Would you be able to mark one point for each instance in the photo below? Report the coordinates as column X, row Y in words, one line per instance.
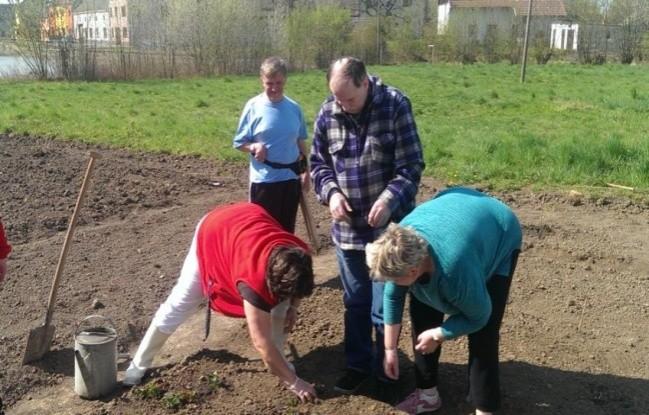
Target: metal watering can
column 95, row 358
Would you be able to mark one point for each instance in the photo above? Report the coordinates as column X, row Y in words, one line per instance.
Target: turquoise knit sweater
column 471, row 237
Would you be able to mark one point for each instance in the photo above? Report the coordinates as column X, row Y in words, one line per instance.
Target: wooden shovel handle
column 68, row 236
column 308, row 221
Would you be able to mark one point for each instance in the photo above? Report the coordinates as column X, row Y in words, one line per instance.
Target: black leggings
column 280, row 199
column 484, row 383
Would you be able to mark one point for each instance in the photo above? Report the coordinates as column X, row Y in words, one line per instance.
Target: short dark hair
column 351, row 68
column 289, row 273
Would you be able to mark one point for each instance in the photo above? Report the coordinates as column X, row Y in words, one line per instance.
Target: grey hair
column 273, row 66
column 395, row 252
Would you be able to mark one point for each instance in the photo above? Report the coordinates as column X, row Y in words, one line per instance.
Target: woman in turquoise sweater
column 455, row 254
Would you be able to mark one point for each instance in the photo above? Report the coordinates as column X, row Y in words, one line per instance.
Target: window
column 110, row 12
column 90, row 33
column 124, row 33
column 105, row 33
column 97, row 32
column 123, row 11
column 116, row 15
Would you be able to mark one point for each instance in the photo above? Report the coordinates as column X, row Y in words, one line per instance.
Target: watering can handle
column 99, row 316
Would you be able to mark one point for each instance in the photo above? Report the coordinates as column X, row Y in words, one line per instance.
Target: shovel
column 40, row 338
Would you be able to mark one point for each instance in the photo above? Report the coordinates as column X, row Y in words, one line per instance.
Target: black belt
column 298, row 166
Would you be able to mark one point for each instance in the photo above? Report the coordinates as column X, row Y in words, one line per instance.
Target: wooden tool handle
column 308, row 221
column 68, row 236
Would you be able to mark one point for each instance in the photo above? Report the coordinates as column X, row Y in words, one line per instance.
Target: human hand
column 291, row 318
column 258, row 151
column 305, row 179
column 379, row 214
column 303, row 390
column 391, row 364
column 428, row 341
column 339, row 207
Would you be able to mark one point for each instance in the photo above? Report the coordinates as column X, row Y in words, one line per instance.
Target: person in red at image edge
column 248, row 266
column 5, row 249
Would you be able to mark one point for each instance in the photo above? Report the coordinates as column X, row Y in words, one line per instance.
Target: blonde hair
column 273, row 66
column 395, row 252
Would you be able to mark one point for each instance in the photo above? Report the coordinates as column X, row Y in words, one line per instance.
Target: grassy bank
column 567, row 125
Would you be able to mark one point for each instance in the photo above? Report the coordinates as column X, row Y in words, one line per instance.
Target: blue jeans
column 363, row 299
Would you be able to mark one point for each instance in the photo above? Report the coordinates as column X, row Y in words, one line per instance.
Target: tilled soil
column 574, row 339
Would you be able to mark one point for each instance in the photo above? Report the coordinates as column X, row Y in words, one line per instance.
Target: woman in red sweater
column 249, row 267
column 5, row 248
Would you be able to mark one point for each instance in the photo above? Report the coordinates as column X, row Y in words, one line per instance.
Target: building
column 7, row 18
column 479, row 19
column 58, row 24
column 92, row 21
column 118, row 14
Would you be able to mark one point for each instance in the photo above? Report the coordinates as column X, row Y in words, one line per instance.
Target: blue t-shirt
column 276, row 124
column 471, row 237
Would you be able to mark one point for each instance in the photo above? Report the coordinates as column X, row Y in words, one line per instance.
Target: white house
column 91, row 21
column 119, row 18
column 477, row 19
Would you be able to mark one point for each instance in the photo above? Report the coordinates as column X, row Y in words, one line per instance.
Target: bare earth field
column 574, row 339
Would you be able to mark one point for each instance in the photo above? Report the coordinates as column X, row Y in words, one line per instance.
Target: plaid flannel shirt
column 375, row 155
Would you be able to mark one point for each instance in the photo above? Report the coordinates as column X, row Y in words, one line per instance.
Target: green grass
column 568, row 125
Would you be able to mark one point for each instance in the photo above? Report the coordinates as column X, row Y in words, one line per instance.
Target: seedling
column 149, row 391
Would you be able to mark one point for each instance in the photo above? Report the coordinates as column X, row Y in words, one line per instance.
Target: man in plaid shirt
column 366, row 163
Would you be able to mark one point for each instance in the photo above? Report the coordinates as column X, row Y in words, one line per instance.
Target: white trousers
column 187, row 295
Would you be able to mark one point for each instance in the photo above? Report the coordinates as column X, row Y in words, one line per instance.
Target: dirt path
column 574, row 337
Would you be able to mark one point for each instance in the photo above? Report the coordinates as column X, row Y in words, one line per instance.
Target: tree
column 633, row 18
column 28, row 27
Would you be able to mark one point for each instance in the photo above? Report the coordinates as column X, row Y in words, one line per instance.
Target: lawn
column 567, row 125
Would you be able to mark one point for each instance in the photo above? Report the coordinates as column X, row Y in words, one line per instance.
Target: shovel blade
column 38, row 343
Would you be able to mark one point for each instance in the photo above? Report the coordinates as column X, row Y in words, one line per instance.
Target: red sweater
column 233, row 245
column 5, row 248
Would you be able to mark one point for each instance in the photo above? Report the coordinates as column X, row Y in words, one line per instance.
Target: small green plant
column 214, row 381
column 202, row 104
column 177, row 400
column 494, row 95
column 149, row 391
column 634, row 93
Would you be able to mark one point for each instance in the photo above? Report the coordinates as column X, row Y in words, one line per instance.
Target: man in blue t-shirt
column 273, row 131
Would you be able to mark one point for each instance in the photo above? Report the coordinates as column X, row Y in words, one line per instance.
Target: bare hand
column 258, row 151
column 291, row 318
column 304, row 391
column 426, row 342
column 339, row 207
column 391, row 364
column 379, row 214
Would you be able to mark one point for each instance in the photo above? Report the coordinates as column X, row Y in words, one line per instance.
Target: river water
column 11, row 66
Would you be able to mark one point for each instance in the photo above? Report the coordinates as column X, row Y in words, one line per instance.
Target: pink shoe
column 419, row 402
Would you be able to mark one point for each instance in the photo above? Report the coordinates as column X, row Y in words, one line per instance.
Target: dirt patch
column 574, row 337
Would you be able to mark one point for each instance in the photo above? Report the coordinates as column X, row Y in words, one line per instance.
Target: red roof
column 539, row 7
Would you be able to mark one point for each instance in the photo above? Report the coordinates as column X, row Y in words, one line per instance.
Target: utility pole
column 525, row 41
